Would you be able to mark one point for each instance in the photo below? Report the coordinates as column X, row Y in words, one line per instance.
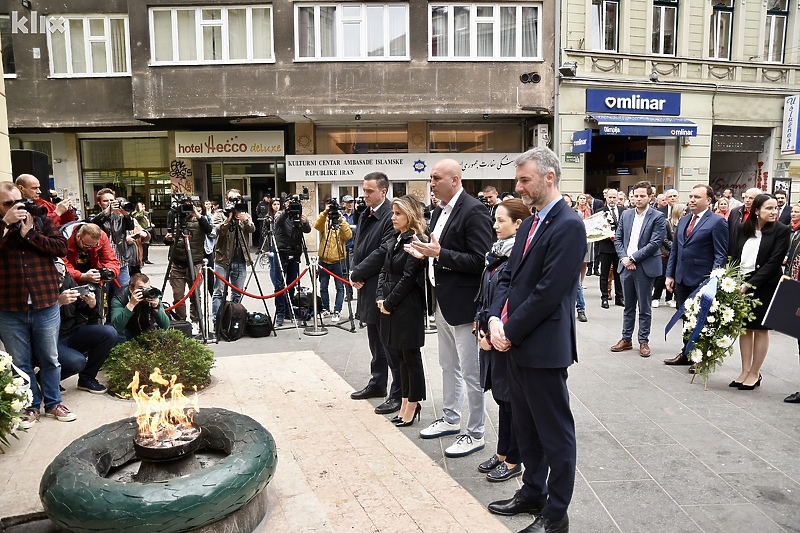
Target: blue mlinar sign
column 633, row 102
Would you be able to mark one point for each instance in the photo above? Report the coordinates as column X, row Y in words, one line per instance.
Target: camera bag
column 231, row 321
column 258, row 325
column 184, row 326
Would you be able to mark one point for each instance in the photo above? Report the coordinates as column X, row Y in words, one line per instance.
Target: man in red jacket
column 89, row 250
column 30, row 188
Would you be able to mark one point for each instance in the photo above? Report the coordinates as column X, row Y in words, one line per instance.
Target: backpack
column 258, row 325
column 231, row 321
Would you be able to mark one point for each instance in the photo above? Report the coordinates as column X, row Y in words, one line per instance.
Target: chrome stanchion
column 318, row 328
column 211, row 333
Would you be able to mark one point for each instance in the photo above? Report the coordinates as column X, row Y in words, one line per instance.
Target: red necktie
column 691, row 225
column 504, row 313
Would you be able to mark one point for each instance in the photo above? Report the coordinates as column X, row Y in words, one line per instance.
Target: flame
column 159, row 415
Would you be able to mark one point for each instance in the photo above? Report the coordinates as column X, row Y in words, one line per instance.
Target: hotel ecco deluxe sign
column 229, row 143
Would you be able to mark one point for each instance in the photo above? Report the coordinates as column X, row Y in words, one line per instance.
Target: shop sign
column 649, row 131
column 572, row 157
column 223, row 144
column 791, row 114
column 633, row 102
column 353, row 167
column 581, row 141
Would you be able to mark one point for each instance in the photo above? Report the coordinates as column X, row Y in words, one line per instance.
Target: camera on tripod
column 361, row 205
column 237, row 204
column 183, row 203
column 334, row 212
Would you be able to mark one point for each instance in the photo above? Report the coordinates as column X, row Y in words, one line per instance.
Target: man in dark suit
column 699, row 246
column 461, row 234
column 608, row 254
column 369, row 252
column 671, row 198
column 532, row 320
column 738, row 215
column 638, row 244
column 784, row 210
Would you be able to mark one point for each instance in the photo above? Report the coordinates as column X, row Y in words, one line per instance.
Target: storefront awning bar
column 645, row 126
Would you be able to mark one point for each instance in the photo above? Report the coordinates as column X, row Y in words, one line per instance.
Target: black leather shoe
column 582, row 317
column 387, row 407
column 368, row 392
column 619, row 302
column 604, row 303
column 515, row 505
column 489, row 464
column 793, row 398
column 543, row 525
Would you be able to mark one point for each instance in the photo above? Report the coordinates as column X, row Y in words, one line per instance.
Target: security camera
column 654, row 76
column 530, row 77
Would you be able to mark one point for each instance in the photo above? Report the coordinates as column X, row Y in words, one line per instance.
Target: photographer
column 83, row 345
column 334, row 232
column 290, row 224
column 60, row 213
column 115, row 220
column 140, row 310
column 228, row 253
column 29, row 284
column 187, row 218
column 90, row 258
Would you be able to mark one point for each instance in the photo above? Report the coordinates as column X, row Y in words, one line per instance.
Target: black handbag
column 258, row 325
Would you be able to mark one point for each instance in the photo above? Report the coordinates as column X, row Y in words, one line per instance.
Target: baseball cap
column 347, row 198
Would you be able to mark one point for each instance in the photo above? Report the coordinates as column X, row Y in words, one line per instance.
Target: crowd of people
column 505, row 308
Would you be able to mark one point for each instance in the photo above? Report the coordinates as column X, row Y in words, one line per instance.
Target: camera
column 31, row 207
column 334, row 213
column 237, row 205
column 149, row 293
column 484, row 201
column 361, row 205
column 106, row 274
column 84, row 290
column 125, row 205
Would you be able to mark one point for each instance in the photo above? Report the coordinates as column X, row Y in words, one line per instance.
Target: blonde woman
column 401, row 301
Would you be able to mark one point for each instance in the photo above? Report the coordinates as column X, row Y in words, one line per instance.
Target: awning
column 645, row 126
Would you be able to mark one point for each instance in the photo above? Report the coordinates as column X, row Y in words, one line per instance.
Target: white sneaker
column 195, row 328
column 335, row 317
column 324, row 314
column 439, row 428
column 463, row 446
column 671, row 303
column 655, row 304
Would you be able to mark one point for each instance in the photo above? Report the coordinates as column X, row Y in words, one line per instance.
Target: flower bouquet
column 15, row 394
column 715, row 316
column 597, row 227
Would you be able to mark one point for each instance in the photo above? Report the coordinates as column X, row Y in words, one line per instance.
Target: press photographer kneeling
column 139, row 311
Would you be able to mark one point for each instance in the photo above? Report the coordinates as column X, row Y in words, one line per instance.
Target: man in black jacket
column 375, row 231
column 290, row 224
column 608, row 254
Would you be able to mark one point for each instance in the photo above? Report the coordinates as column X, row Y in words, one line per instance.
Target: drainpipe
column 556, row 78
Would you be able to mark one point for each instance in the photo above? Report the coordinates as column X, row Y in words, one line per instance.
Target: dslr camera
column 125, row 205
column 31, row 207
column 149, row 293
column 106, row 274
column 84, row 290
column 237, row 205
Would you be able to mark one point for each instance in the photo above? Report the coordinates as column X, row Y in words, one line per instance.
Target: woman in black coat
column 504, row 464
column 759, row 245
column 401, row 301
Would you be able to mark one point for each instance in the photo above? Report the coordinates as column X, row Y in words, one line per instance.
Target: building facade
column 161, row 96
column 678, row 92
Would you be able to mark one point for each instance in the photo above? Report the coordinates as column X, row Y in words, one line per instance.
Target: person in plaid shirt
column 29, row 311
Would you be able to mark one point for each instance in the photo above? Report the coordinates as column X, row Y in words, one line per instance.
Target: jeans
column 34, row 334
column 580, row 304
column 324, row 277
column 237, row 279
column 85, row 350
column 123, row 279
column 291, row 269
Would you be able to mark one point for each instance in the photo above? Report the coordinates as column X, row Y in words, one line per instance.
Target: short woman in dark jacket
column 504, row 464
column 402, row 303
column 759, row 245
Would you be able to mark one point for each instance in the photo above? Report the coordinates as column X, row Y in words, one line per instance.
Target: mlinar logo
column 635, row 102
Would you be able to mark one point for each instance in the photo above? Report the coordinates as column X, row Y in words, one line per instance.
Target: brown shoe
column 622, row 345
column 691, row 369
column 679, row 359
column 644, row 349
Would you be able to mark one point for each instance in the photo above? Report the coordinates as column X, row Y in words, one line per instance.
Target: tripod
column 262, row 255
column 240, row 244
column 185, row 235
column 333, row 232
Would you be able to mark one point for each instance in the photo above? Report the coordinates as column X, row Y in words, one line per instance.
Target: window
column 361, row 140
column 8, row 46
column 719, row 42
column 212, row 35
column 469, row 138
column 90, row 45
column 484, row 32
column 351, row 32
column 665, row 26
column 775, row 32
column 605, row 25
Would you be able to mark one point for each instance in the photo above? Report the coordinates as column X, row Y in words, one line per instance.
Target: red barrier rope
column 182, row 300
column 257, row 297
column 335, row 276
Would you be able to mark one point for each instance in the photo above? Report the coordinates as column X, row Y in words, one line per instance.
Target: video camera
column 183, row 203
column 484, row 201
column 237, row 205
column 361, row 205
column 334, row 212
column 294, row 210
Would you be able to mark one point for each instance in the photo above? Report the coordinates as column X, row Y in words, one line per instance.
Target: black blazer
column 769, row 261
column 465, row 239
column 735, row 220
column 786, row 215
column 400, row 286
column 606, row 246
column 369, row 253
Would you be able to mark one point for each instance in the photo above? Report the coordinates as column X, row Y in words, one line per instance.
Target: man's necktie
column 690, row 227
column 504, row 313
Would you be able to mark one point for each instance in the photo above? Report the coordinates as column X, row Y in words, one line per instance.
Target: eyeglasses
column 84, row 245
column 11, row 203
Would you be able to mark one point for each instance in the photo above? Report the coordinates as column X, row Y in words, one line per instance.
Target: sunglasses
column 11, row 203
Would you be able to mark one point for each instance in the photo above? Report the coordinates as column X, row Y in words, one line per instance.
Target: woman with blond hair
column 401, row 301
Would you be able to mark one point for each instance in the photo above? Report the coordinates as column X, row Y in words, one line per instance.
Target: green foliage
column 15, row 395
column 170, row 350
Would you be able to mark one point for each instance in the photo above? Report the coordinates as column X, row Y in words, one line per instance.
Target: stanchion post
column 429, row 328
column 318, row 329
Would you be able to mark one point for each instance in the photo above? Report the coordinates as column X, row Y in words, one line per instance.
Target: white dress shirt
column 444, row 216
column 636, row 231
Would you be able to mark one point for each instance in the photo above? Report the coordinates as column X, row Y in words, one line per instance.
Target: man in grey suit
column 638, row 243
